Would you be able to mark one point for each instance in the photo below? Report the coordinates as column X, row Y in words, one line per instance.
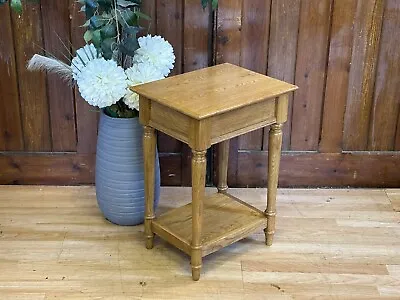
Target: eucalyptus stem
column 116, row 21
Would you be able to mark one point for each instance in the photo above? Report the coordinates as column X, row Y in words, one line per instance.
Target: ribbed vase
column 120, row 172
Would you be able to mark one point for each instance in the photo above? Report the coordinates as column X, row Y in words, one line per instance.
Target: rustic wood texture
column 11, row 136
column 56, row 32
column 337, row 81
column 385, row 108
column 57, row 168
column 171, row 170
column 170, row 26
column 346, row 49
column 149, row 7
column 329, row 244
column 367, row 31
column 28, row 40
column 397, row 140
column 326, row 169
column 227, row 49
column 285, row 15
column 254, row 53
column 197, row 41
column 310, row 73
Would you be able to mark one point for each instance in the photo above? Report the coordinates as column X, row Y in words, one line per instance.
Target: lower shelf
column 226, row 220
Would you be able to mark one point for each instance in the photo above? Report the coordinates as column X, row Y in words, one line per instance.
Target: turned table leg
column 274, row 155
column 199, row 162
column 149, row 152
column 223, row 158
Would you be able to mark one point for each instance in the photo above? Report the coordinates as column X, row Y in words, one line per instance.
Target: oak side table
column 203, row 108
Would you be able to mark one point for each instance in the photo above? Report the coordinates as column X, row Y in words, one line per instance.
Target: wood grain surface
column 312, row 51
column 343, row 55
column 385, row 108
column 225, row 221
column 11, row 135
column 28, row 40
column 337, row 81
column 326, row 169
column 254, row 53
column 227, row 49
column 285, row 15
column 56, row 32
column 209, row 224
column 61, row 168
column 367, row 32
column 197, row 41
column 212, row 91
column 170, row 26
column 339, row 244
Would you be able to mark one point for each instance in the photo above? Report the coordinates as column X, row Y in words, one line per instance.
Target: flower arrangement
column 114, row 58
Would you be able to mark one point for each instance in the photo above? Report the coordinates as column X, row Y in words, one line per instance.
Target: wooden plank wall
column 343, row 127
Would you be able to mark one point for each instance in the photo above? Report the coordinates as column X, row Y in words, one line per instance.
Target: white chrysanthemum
column 157, row 51
column 83, row 56
column 139, row 73
column 102, row 82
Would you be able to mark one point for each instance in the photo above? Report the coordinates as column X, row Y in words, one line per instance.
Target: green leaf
column 126, row 3
column 129, row 47
column 88, row 36
column 214, row 4
column 90, row 8
column 131, row 31
column 97, row 21
column 141, row 15
column 127, row 18
column 16, row 5
column 108, row 31
column 106, row 4
column 129, row 43
column 107, row 47
column 96, row 38
column 204, row 3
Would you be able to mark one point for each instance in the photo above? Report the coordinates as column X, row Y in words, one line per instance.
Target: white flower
column 157, row 51
column 102, row 83
column 83, row 56
column 139, row 73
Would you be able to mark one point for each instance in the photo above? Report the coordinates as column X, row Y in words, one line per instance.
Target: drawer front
column 242, row 120
column 169, row 121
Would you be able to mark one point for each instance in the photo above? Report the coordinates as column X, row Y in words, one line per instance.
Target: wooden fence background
column 343, row 128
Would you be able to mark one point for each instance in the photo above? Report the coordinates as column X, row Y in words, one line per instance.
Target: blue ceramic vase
column 120, row 172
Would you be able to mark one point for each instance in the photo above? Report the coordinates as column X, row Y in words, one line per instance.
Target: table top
column 211, row 91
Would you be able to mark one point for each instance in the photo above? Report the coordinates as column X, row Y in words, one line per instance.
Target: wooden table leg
column 223, row 158
column 149, row 153
column 199, row 162
column 274, row 155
